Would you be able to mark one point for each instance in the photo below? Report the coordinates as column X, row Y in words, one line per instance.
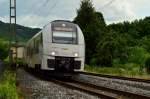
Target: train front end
column 65, row 51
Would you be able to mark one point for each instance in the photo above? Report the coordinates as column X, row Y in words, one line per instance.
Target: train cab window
column 64, row 37
column 64, row 32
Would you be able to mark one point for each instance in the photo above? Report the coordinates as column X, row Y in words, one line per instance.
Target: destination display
column 64, row 26
column 62, row 29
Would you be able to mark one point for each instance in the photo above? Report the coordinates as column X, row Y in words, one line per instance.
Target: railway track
column 100, row 91
column 116, row 77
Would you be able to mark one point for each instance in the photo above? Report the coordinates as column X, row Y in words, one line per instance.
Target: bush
column 147, row 64
column 119, row 61
column 138, row 55
column 129, row 70
column 3, row 49
column 8, row 88
column 93, row 61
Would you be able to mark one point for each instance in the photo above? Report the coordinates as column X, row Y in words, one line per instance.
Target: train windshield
column 64, row 37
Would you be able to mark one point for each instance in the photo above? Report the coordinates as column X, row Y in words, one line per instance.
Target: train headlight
column 76, row 54
column 53, row 53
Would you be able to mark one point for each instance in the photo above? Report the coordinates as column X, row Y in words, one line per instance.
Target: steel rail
column 100, row 91
column 116, row 77
column 86, row 89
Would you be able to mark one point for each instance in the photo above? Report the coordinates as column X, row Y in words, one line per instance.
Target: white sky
column 37, row 13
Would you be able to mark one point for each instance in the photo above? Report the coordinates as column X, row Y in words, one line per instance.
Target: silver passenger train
column 58, row 47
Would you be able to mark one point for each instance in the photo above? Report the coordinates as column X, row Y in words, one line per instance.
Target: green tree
column 85, row 14
column 112, row 46
column 92, row 24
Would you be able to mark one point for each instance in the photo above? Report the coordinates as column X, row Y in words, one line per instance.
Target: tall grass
column 8, row 88
column 127, row 70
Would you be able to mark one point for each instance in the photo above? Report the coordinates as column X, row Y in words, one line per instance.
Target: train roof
column 49, row 24
column 62, row 21
column 59, row 21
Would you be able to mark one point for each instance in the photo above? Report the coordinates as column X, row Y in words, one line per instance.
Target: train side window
column 38, row 43
column 32, row 48
column 27, row 51
column 35, row 45
column 41, row 39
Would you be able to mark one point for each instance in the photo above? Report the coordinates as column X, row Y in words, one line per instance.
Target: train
column 58, row 48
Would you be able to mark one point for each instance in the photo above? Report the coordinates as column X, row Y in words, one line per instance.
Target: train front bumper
column 64, row 64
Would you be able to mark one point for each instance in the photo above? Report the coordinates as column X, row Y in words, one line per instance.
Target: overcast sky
column 37, row 13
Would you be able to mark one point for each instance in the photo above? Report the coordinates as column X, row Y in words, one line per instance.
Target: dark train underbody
column 64, row 64
column 63, row 67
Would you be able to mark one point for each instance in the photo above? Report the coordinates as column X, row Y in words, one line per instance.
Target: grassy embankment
column 127, row 70
column 8, row 89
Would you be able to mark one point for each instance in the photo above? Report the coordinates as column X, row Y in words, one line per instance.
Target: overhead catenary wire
column 51, row 9
column 40, row 8
column 107, row 4
column 37, row 11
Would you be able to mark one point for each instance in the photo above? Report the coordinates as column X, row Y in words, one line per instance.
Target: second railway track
column 100, row 91
column 116, row 77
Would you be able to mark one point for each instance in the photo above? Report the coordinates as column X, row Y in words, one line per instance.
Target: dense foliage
column 108, row 45
column 147, row 64
column 3, row 49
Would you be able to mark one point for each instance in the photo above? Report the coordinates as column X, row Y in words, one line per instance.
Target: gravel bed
column 129, row 86
column 34, row 88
